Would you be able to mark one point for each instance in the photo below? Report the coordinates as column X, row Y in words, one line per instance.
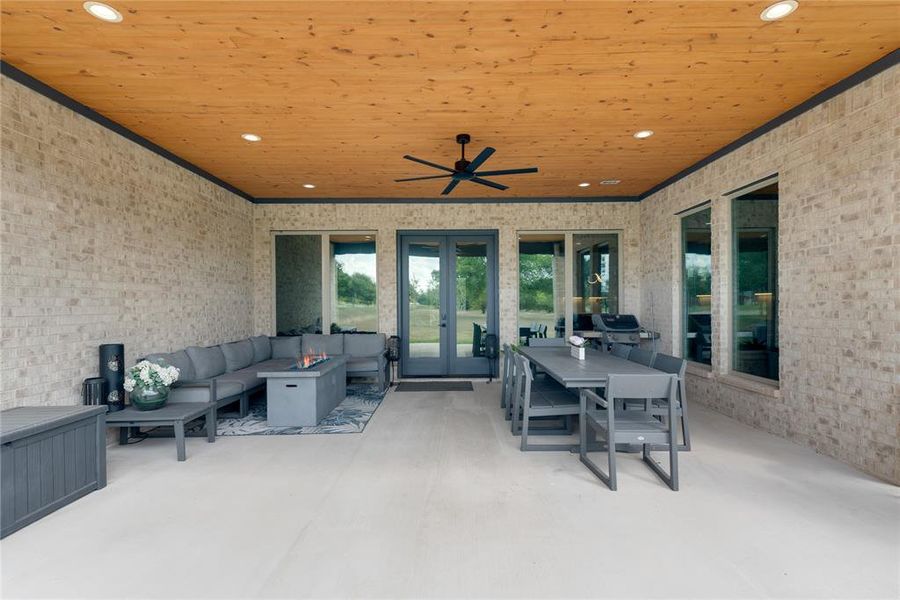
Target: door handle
column 443, row 320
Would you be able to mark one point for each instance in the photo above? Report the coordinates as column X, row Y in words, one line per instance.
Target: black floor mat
column 434, row 386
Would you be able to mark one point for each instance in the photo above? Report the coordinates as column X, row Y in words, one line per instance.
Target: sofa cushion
column 364, row 344
column 246, row 377
column 363, row 365
column 179, row 360
column 262, row 348
column 317, row 343
column 285, row 346
column 224, row 389
column 237, row 355
column 208, row 362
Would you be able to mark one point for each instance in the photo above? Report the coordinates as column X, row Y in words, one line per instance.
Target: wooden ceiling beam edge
column 882, row 64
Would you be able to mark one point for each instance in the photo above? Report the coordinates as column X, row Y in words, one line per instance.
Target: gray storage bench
column 49, row 456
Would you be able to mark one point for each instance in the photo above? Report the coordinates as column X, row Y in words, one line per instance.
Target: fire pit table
column 300, row 397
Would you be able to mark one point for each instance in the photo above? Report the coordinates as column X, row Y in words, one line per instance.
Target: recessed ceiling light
column 611, row 182
column 309, row 186
column 643, row 134
column 584, row 184
column 251, row 137
column 779, row 10
column 104, row 12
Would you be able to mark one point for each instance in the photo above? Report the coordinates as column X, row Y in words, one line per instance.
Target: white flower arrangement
column 578, row 341
column 150, row 377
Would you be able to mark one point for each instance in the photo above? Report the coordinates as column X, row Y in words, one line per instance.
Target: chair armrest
column 590, row 396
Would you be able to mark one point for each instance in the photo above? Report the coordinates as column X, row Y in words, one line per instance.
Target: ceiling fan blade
column 426, row 163
column 450, row 187
column 496, row 186
column 507, row 172
column 479, row 160
column 426, row 177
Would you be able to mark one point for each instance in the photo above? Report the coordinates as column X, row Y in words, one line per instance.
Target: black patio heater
column 393, row 354
column 491, row 348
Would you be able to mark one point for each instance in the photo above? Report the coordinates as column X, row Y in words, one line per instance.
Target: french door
column 448, row 302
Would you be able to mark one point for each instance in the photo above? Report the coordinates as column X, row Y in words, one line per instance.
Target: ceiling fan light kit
column 465, row 170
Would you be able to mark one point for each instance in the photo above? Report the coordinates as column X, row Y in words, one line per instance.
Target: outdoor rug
column 434, row 386
column 350, row 416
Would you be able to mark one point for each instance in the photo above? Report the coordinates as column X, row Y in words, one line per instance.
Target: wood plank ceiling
column 340, row 91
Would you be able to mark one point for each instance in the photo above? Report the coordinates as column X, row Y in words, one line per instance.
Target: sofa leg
column 245, row 404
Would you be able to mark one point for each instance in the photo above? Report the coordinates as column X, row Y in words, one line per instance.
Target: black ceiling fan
column 465, row 170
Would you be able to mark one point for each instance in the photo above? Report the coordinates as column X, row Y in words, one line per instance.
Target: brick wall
column 103, row 241
column 839, row 277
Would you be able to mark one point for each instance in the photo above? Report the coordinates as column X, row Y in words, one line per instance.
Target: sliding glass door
column 448, row 291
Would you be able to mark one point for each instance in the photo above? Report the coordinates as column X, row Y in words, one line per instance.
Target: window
column 338, row 296
column 353, row 286
column 298, row 284
column 755, row 287
column 596, row 277
column 542, row 295
column 696, row 251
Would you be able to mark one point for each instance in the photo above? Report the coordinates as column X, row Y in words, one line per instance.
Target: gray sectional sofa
column 227, row 373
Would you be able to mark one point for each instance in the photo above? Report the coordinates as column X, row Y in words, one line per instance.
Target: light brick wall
column 104, row 241
column 387, row 219
column 839, row 276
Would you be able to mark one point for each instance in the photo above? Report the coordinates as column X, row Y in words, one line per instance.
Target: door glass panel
column 471, row 298
column 424, row 274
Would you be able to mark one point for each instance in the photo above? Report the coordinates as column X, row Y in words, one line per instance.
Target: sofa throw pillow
column 237, row 355
column 262, row 348
column 208, row 362
column 179, row 360
column 285, row 346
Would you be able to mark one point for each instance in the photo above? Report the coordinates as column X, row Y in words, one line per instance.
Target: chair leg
column 523, row 445
column 685, row 430
column 608, row 478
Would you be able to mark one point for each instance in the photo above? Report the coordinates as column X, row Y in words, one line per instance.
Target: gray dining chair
column 531, row 403
column 676, row 366
column 641, row 356
column 505, row 382
column 633, row 427
column 620, row 350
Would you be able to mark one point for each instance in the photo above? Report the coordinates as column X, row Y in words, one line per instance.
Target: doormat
column 434, row 386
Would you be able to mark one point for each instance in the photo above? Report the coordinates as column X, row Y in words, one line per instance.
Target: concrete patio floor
column 434, row 499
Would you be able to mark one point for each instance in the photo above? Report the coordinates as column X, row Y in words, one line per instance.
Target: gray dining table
column 592, row 372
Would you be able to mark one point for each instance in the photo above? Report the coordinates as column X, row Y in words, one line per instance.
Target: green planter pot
column 144, row 400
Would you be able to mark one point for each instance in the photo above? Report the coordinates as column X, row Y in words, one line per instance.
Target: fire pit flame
column 311, row 359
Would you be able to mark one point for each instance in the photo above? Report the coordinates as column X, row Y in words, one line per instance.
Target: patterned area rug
column 350, row 416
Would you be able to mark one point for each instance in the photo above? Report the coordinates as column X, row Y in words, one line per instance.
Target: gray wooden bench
column 174, row 414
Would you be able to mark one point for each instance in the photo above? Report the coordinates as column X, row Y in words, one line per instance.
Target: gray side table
column 175, row 414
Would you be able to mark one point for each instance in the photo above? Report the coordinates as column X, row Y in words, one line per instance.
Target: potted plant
column 147, row 384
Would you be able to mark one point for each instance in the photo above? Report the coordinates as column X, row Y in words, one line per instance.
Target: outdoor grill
column 618, row 329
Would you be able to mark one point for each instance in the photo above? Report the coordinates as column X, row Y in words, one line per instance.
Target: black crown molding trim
column 512, row 200
column 53, row 94
column 885, row 62
column 882, row 64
